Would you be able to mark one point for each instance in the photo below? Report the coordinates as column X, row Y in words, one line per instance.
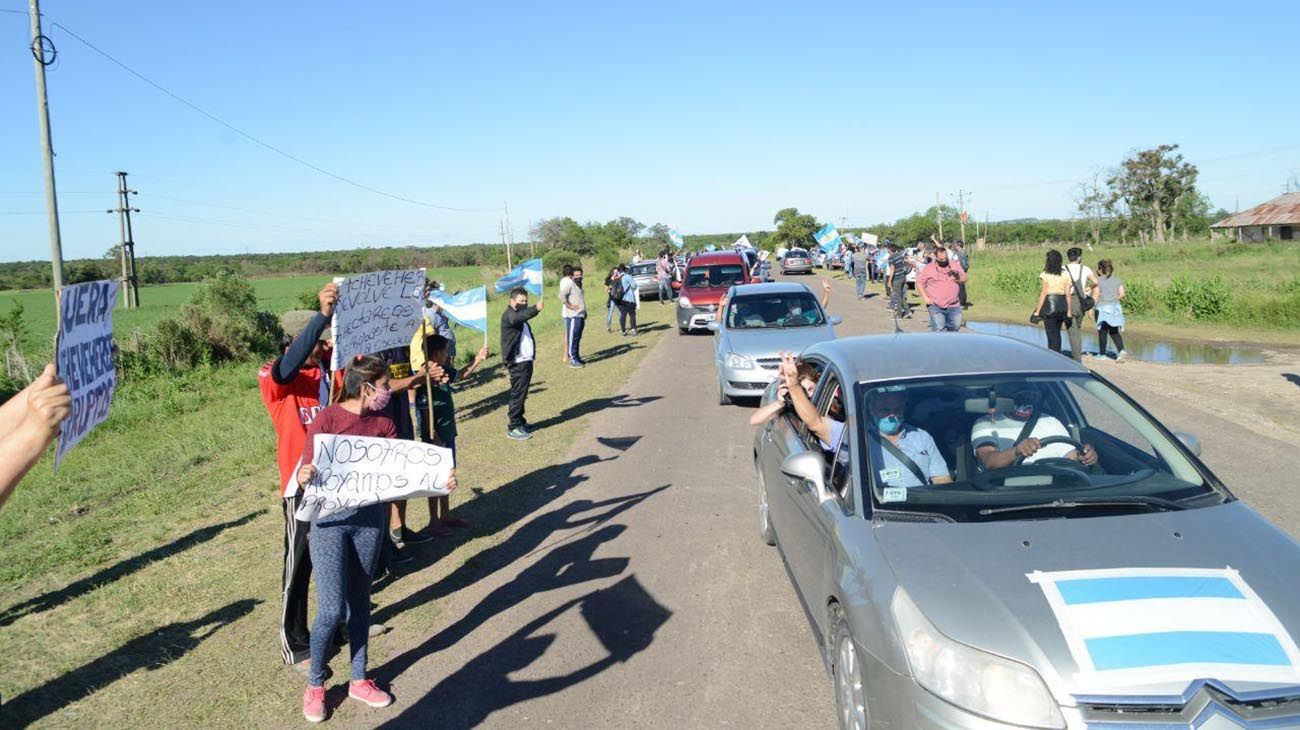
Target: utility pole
column 505, row 235
column 938, row 214
column 531, row 252
column 126, row 249
column 961, row 212
column 39, row 46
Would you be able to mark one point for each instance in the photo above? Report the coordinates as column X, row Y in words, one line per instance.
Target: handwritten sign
column 84, row 356
column 376, row 312
column 356, row 471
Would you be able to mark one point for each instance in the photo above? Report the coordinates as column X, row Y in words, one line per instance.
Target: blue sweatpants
column 573, row 327
column 343, row 555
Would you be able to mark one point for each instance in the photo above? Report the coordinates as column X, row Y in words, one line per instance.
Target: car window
column 839, row 466
column 715, row 275
column 642, row 269
column 778, row 311
column 1016, row 440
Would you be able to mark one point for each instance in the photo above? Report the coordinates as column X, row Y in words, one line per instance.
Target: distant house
column 1278, row 219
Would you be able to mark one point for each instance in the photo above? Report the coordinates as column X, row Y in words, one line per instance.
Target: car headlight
column 975, row 680
column 739, row 362
column 683, row 302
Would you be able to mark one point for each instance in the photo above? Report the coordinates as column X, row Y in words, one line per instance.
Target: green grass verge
column 141, row 583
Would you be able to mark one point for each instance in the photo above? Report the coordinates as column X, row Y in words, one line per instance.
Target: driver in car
column 1000, row 439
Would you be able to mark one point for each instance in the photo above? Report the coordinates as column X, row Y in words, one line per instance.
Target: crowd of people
column 1068, row 291
column 937, row 269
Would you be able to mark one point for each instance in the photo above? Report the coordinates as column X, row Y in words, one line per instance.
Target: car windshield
column 642, row 269
column 796, row 253
column 1021, row 446
column 715, row 275
column 792, row 309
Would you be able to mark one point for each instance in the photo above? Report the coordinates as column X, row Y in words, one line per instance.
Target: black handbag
column 1085, row 300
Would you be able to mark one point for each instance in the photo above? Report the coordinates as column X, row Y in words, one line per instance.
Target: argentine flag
column 1136, row 626
column 710, row 247
column 676, row 238
column 828, row 238
column 527, row 274
column 469, row 307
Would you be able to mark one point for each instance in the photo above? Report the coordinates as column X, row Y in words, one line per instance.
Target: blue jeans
column 945, row 319
column 665, row 290
column 609, row 315
column 862, row 283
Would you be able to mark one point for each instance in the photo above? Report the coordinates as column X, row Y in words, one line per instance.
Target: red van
column 708, row 277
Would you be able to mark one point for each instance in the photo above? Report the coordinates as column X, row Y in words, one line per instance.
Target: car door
column 811, row 524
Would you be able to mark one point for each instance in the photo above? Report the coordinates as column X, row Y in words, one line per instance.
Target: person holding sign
column 518, row 350
column 31, row 419
column 345, row 544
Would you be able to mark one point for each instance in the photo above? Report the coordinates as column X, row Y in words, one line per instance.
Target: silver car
column 644, row 273
column 992, row 536
column 796, row 261
column 761, row 322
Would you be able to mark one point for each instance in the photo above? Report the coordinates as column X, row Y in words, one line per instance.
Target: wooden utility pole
column 126, row 247
column 961, row 212
column 506, row 236
column 938, row 214
column 42, row 58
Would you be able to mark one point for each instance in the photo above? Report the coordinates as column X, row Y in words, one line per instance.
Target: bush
column 555, row 260
column 1140, row 296
column 1199, row 297
column 1017, row 282
column 307, row 299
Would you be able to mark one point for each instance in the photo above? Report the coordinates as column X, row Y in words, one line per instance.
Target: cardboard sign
column 356, row 471
column 84, row 357
column 376, row 312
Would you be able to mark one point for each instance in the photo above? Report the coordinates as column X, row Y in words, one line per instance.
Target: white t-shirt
column 571, row 295
column 1081, row 274
column 527, row 349
column 1002, row 431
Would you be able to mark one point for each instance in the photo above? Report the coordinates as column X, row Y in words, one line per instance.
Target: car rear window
column 642, row 269
column 715, row 275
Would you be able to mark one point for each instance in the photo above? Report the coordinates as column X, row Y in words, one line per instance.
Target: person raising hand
column 31, row 421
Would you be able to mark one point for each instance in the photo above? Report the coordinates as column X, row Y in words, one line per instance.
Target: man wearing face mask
column 518, row 350
column 905, row 456
column 1000, row 438
column 939, row 284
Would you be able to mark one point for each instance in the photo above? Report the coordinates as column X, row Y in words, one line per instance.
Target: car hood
column 765, row 342
column 703, row 295
column 973, row 583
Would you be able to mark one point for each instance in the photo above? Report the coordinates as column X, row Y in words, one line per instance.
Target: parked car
column 644, row 273
column 760, row 322
column 708, row 277
column 1042, row 592
column 796, row 261
column 835, row 261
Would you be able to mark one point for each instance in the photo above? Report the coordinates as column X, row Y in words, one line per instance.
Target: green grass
column 149, row 565
column 1214, row 290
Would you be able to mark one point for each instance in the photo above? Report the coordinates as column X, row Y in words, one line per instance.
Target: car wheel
column 765, row 530
column 850, row 690
column 723, row 398
column 681, row 330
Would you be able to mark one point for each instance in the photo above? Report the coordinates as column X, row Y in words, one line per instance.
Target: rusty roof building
column 1277, row 219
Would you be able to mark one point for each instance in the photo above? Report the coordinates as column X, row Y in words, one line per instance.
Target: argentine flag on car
column 527, row 274
column 676, row 238
column 469, row 307
column 828, row 238
column 1136, row 626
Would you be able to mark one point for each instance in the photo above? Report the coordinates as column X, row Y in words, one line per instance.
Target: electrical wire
column 267, row 145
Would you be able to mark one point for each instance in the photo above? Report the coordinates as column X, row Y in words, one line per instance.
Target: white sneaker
column 1121, row 357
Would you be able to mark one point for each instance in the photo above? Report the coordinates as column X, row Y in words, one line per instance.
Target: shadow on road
column 591, row 406
column 151, row 651
column 1292, row 378
column 118, row 571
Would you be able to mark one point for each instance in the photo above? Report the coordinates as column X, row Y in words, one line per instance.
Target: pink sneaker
column 366, row 691
column 313, row 704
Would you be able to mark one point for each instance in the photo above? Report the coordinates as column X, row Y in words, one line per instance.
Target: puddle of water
column 1137, row 348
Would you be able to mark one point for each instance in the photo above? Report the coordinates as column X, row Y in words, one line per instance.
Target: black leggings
column 1109, row 330
column 1052, row 326
column 626, row 310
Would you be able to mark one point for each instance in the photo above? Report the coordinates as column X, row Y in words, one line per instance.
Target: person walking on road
column 859, row 261
column 1054, row 306
column 624, row 290
column 1081, row 280
column 664, row 277
column 939, row 284
column 574, row 312
column 896, row 281
column 1109, row 294
column 518, row 350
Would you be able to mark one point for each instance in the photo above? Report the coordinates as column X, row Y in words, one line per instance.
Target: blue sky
column 709, row 116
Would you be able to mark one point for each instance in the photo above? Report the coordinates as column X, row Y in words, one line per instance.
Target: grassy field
column 1199, row 289
column 140, row 584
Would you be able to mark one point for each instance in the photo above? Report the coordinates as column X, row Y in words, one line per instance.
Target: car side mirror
column 1192, row 443
column 836, row 319
column 713, row 326
column 805, row 470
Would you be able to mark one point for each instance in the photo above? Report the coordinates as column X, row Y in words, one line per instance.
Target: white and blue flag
column 1135, row 626
column 710, row 247
column 527, row 274
column 828, row 238
column 676, row 238
column 469, row 307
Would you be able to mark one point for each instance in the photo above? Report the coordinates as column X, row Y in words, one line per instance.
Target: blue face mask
column 889, row 425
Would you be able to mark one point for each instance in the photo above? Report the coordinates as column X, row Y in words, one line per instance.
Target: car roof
column 771, row 287
column 913, row 354
column 715, row 257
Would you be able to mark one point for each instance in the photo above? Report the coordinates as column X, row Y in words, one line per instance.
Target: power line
column 255, row 140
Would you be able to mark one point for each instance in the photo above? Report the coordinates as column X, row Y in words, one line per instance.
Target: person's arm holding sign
column 31, row 421
column 304, row 346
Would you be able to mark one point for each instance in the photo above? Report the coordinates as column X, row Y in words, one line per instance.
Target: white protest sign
column 377, row 311
column 870, row 239
column 356, row 471
column 84, row 357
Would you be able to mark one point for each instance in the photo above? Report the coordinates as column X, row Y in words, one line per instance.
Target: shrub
column 1199, row 297
column 1017, row 282
column 555, row 260
column 1140, row 296
column 307, row 299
